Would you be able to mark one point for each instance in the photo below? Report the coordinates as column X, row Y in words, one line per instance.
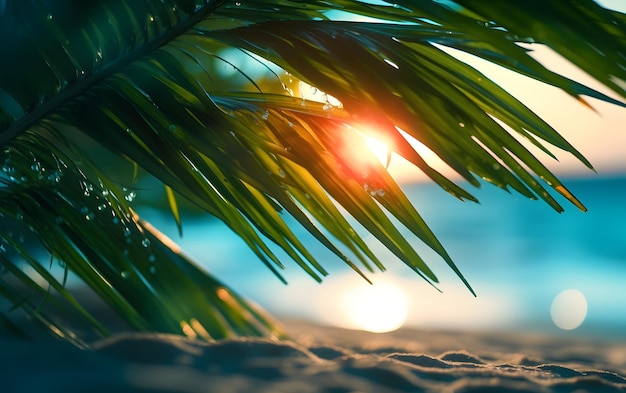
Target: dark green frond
column 85, row 222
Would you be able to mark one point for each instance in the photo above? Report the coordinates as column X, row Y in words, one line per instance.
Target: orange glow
column 369, row 146
column 199, row 329
column 226, row 297
column 370, row 138
column 188, row 330
column 351, row 149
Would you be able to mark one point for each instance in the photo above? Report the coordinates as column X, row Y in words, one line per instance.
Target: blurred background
column 532, row 268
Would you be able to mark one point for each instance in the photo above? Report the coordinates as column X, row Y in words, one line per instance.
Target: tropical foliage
column 145, row 82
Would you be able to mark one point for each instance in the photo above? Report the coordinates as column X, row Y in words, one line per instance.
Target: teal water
column 517, row 254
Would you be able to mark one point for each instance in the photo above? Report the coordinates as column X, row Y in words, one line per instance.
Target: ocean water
column 517, row 254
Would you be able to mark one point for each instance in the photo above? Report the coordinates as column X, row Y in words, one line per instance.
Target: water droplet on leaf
column 36, row 167
column 55, row 177
column 373, row 191
column 99, row 55
column 8, row 168
column 130, row 196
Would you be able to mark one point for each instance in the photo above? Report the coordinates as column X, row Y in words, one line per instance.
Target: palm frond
column 142, row 79
column 128, row 263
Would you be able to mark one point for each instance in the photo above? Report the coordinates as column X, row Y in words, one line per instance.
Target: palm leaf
column 99, row 238
column 142, row 80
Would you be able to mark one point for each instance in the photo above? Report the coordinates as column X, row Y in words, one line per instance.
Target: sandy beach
column 319, row 359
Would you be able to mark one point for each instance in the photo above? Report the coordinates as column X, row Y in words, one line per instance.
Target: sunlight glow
column 569, row 309
column 379, row 148
column 378, row 308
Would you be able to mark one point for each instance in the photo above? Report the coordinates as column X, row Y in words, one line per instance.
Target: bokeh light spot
column 569, row 309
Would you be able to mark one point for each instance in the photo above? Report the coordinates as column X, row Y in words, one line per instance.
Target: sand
column 319, row 359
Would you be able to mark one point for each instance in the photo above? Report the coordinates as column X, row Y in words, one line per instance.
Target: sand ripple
column 318, row 360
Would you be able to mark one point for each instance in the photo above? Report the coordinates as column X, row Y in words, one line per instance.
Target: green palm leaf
column 142, row 80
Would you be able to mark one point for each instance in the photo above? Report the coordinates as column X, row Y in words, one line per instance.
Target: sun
column 381, row 307
column 379, row 148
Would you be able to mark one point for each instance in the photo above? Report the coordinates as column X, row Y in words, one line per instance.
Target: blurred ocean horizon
column 518, row 255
